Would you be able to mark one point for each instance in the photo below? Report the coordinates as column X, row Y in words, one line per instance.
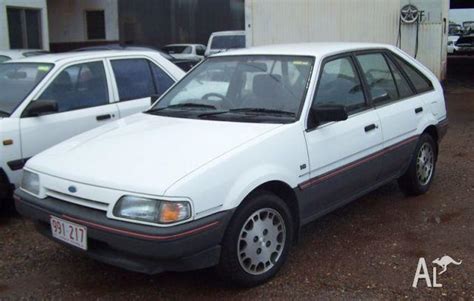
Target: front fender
column 225, row 182
column 253, row 178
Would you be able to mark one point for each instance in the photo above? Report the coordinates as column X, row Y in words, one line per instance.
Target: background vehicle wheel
column 257, row 240
column 420, row 173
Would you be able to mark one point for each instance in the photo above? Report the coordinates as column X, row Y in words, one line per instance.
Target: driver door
column 343, row 155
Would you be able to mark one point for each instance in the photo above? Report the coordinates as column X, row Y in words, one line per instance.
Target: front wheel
column 257, row 241
column 420, row 173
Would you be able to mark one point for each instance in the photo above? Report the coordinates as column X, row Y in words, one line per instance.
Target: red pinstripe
column 330, row 174
column 140, row 235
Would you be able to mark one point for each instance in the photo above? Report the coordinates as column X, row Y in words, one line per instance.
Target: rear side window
column 133, row 78
column 200, row 50
column 419, row 81
column 403, row 86
column 78, row 87
column 339, row 84
column 379, row 77
column 139, row 78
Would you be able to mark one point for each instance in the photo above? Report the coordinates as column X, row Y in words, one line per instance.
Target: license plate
column 68, row 232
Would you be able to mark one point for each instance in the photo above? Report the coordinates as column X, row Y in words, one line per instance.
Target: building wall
column 280, row 21
column 160, row 22
column 67, row 23
column 36, row 4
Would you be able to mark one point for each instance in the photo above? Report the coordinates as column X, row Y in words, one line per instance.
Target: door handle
column 418, row 110
column 370, row 127
column 104, row 117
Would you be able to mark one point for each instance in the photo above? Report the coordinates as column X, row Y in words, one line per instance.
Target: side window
column 162, row 80
column 339, row 84
column 379, row 77
column 133, row 78
column 403, row 87
column 78, row 87
column 200, row 50
column 421, row 83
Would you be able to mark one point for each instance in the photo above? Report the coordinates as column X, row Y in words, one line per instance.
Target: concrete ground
column 366, row 250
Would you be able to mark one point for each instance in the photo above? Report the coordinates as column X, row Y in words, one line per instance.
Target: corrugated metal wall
column 284, row 21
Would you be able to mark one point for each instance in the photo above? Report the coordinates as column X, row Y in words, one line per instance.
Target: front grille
column 78, row 201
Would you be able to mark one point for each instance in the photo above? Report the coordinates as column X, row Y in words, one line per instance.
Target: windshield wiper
column 184, row 105
column 259, row 111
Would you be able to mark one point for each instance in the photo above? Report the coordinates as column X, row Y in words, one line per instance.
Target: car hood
column 144, row 153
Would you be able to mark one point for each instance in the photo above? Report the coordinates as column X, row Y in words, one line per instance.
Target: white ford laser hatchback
column 228, row 165
column 47, row 99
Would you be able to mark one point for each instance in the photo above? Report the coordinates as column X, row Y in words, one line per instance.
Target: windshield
column 241, row 88
column 17, row 80
column 228, row 42
column 178, row 49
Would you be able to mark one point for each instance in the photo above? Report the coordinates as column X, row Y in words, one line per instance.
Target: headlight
column 152, row 211
column 30, row 182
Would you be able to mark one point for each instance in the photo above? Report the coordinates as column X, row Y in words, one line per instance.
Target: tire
column 418, row 178
column 6, row 196
column 269, row 246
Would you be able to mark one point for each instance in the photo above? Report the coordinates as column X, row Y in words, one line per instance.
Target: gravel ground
column 366, row 250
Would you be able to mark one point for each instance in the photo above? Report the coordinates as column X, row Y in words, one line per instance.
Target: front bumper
column 138, row 248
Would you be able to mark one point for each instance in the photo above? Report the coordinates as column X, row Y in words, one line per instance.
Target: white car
column 6, row 55
column 225, row 40
column 185, row 51
column 47, row 99
column 229, row 164
column 452, row 48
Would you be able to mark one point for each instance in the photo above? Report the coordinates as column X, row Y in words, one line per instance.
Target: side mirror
column 40, row 107
column 321, row 114
column 154, row 98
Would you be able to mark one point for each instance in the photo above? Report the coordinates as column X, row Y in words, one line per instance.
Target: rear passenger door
column 397, row 106
column 343, row 155
column 136, row 80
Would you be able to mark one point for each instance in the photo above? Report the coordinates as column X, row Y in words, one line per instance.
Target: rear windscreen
column 228, row 42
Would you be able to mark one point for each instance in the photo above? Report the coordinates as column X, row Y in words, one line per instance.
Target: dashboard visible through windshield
column 241, row 88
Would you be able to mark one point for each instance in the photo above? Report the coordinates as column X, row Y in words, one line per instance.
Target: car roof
column 228, row 33
column 67, row 57
column 173, row 45
column 304, row 49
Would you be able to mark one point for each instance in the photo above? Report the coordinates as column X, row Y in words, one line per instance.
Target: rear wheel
column 420, row 173
column 257, row 241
